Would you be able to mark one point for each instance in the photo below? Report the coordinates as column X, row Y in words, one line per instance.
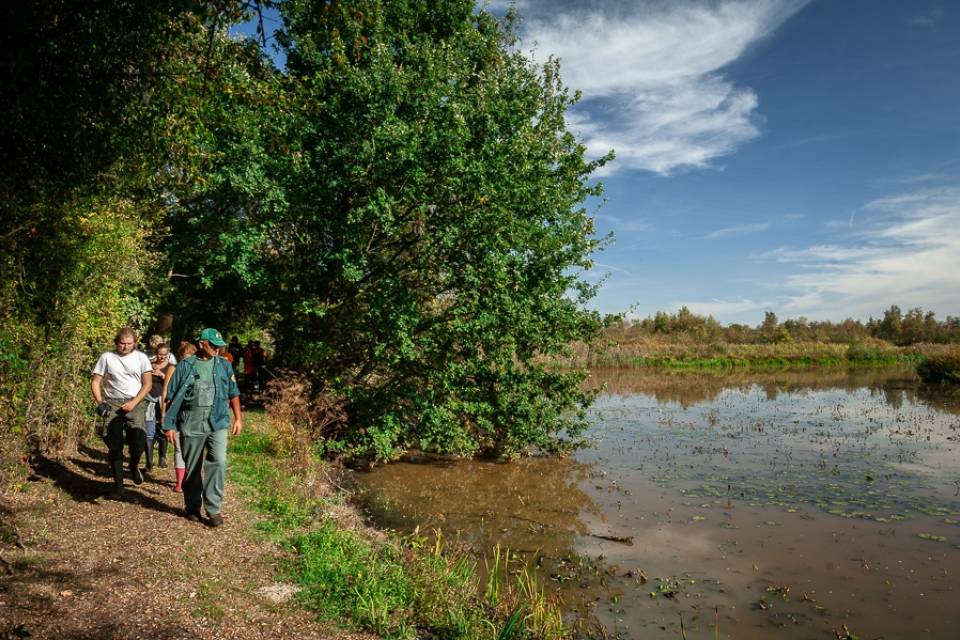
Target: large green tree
column 427, row 260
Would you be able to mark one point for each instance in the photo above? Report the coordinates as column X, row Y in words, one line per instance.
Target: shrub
column 941, row 368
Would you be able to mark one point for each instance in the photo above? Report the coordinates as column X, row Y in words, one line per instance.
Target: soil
column 75, row 563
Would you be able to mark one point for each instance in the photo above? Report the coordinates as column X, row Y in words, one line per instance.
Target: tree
column 92, row 146
column 440, row 228
column 424, row 259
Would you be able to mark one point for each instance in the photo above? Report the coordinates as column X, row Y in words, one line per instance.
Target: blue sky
column 787, row 155
column 799, row 157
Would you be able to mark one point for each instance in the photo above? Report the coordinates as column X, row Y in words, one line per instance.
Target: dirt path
column 75, row 564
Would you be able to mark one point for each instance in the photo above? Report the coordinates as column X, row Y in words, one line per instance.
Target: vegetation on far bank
column 685, row 340
column 941, row 368
column 396, row 586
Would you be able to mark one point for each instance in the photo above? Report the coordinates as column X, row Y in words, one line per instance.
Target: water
column 747, row 504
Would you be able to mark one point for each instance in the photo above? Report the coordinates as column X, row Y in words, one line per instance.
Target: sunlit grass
column 396, row 586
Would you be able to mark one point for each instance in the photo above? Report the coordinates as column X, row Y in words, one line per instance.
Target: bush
column 871, row 351
column 941, row 368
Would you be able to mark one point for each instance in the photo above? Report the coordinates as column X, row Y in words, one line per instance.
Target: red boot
column 180, row 474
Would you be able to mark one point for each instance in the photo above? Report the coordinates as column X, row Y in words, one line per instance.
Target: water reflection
column 690, row 388
column 531, row 504
column 787, row 501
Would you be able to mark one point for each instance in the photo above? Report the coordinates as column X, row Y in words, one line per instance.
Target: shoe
column 179, row 486
column 116, row 492
column 137, row 476
column 215, row 520
column 162, row 463
column 192, row 516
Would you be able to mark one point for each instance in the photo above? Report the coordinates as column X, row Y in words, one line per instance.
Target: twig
column 683, row 630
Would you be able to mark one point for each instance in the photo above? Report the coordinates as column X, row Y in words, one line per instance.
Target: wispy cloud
column 652, row 75
column 740, row 230
column 909, row 255
column 929, row 19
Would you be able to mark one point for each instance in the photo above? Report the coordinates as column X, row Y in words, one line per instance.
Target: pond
column 746, row 504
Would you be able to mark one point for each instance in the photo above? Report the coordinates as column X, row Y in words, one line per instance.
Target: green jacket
column 224, row 385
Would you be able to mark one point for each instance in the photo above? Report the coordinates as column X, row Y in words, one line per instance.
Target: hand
column 127, row 407
column 171, row 436
column 237, row 427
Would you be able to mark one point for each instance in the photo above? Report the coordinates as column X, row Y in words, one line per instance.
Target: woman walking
column 160, row 369
column 180, row 466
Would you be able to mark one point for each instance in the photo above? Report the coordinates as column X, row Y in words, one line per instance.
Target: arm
column 237, row 417
column 97, row 392
column 145, row 384
column 172, row 400
column 168, row 373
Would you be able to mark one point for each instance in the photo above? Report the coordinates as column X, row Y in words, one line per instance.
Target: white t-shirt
column 171, row 359
column 122, row 375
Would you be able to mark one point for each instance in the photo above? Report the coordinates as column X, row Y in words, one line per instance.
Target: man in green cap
column 202, row 393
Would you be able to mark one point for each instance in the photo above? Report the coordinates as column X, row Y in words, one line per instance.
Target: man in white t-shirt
column 121, row 380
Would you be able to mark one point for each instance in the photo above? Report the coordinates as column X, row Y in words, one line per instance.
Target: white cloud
column 739, row 230
column 909, row 255
column 652, row 78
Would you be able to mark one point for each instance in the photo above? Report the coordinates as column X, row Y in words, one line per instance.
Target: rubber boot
column 162, row 453
column 149, row 467
column 117, row 468
column 135, row 468
column 180, row 474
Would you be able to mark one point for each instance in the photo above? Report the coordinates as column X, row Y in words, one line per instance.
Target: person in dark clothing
column 236, row 350
column 259, row 360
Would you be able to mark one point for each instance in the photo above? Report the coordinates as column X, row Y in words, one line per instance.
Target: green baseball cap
column 212, row 336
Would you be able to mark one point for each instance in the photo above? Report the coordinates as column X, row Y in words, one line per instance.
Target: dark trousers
column 124, row 428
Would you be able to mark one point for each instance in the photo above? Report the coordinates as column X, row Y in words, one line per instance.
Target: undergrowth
column 396, row 586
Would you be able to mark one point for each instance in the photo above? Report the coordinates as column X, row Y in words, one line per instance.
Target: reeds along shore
column 683, row 352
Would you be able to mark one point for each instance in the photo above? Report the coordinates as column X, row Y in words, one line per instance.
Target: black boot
column 117, row 468
column 162, row 453
column 149, row 466
column 138, row 443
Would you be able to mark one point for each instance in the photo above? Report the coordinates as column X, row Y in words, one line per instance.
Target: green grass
column 687, row 353
column 398, row 586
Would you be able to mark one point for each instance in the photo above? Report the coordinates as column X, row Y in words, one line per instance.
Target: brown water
column 754, row 504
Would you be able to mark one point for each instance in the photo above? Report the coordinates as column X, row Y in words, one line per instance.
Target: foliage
column 915, row 327
column 942, row 367
column 424, row 230
column 90, row 102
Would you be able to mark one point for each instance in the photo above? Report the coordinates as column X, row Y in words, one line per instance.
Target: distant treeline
column 899, row 328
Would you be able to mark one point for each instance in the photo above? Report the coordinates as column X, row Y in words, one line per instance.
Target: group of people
column 190, row 401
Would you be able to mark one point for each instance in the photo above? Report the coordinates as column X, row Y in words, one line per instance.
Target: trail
column 76, row 564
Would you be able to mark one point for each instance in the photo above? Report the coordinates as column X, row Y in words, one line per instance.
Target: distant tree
column 768, row 328
column 661, row 322
column 891, row 327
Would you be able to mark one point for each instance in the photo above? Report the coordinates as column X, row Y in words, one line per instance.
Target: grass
column 685, row 353
column 396, row 586
column 208, row 598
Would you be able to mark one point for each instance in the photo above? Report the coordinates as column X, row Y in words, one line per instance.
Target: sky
column 794, row 156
